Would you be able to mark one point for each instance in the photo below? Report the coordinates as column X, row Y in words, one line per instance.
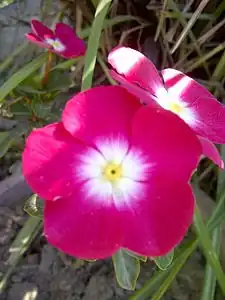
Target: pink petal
column 41, row 30
column 161, row 220
column 36, row 40
column 208, row 114
column 143, row 95
column 209, row 119
column 210, row 151
column 136, row 68
column 74, row 45
column 82, row 227
column 49, row 162
column 183, row 86
column 172, row 146
column 101, row 111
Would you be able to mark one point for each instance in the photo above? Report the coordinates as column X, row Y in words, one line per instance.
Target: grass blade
column 160, row 282
column 209, row 286
column 20, row 245
column 93, row 43
column 21, row 75
column 210, row 254
column 189, row 24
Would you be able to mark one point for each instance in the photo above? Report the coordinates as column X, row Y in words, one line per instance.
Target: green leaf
column 127, row 269
column 19, row 246
column 156, row 287
column 20, row 109
column 163, row 262
column 209, row 251
column 6, row 141
column 34, row 206
column 58, row 80
column 93, row 43
column 4, row 3
column 40, row 109
column 137, row 256
column 21, row 75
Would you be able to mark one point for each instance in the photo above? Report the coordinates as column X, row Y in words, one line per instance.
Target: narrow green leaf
column 127, row 269
column 9, row 60
column 210, row 254
column 209, row 286
column 6, row 141
column 93, row 43
column 161, row 281
column 109, row 23
column 21, row 75
column 178, row 264
column 4, row 3
column 34, row 206
column 163, row 262
column 20, row 245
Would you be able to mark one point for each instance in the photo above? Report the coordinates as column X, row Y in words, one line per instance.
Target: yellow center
column 112, row 172
column 56, row 44
column 175, row 107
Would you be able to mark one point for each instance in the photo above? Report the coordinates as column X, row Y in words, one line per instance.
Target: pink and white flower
column 108, row 183
column 174, row 91
column 62, row 41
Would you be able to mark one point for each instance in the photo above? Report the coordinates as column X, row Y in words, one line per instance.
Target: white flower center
column 56, row 44
column 172, row 102
column 115, row 173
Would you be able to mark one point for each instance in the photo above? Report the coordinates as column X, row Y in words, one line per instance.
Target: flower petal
column 162, row 219
column 74, row 46
column 136, row 68
column 83, row 227
column 210, row 151
column 207, row 114
column 49, row 161
column 209, row 119
column 41, row 30
column 171, row 145
column 100, row 112
column 183, row 86
column 36, row 40
column 143, row 95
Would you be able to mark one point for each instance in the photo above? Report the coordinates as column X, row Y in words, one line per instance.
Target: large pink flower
column 175, row 92
column 108, row 183
column 63, row 41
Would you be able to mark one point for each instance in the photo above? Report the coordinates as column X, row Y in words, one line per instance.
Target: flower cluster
column 115, row 173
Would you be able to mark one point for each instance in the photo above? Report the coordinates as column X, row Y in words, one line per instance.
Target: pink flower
column 108, row 183
column 176, row 92
column 63, row 41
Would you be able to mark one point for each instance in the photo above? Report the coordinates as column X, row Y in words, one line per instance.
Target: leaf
column 21, row 75
column 58, row 80
column 4, row 3
column 163, row 262
column 6, row 141
column 34, row 206
column 137, row 256
column 41, row 110
column 93, row 43
column 156, row 287
column 210, row 253
column 127, row 269
column 19, row 246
